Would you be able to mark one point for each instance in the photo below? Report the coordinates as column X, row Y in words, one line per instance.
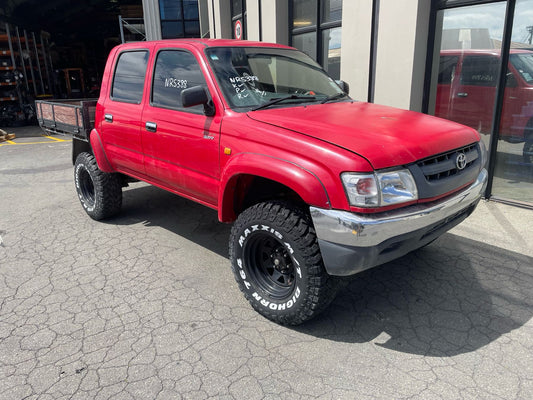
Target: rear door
column 181, row 145
column 121, row 128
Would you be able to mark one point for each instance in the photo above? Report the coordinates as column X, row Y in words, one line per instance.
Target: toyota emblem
column 460, row 161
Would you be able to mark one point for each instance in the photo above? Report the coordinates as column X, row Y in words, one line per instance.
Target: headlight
column 379, row 189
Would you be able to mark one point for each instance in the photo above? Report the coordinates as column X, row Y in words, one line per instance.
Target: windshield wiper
column 334, row 97
column 281, row 99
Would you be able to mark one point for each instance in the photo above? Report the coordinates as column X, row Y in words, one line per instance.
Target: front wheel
column 277, row 263
column 100, row 193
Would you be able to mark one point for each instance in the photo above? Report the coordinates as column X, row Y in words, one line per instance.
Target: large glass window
column 179, row 18
column 128, row 82
column 174, row 71
column 466, row 85
column 513, row 173
column 316, row 30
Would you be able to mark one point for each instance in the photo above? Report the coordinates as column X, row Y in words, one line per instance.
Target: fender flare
column 99, row 153
column 299, row 179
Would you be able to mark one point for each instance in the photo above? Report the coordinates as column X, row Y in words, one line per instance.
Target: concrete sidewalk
column 500, row 225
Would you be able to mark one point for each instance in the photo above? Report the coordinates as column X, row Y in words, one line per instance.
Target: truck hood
column 385, row 136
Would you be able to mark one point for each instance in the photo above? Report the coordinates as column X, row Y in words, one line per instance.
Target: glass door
column 469, row 42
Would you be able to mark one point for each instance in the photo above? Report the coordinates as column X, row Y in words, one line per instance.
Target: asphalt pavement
column 144, row 305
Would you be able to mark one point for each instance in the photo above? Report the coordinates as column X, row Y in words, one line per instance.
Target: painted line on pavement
column 52, row 140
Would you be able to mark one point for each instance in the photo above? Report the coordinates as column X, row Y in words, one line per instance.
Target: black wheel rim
column 86, row 187
column 270, row 265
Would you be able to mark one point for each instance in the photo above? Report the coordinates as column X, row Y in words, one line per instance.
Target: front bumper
column 351, row 243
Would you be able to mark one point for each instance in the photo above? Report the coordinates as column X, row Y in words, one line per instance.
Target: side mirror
column 344, row 86
column 197, row 95
column 511, row 80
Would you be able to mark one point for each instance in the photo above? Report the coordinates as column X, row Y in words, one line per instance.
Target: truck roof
column 203, row 43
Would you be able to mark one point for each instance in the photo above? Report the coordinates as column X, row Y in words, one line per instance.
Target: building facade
column 442, row 57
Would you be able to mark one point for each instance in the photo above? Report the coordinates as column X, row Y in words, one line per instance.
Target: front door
column 181, row 145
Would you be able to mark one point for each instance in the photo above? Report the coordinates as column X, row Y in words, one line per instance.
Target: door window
column 480, row 71
column 128, row 82
column 175, row 70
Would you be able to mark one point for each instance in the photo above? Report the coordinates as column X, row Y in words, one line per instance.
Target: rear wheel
column 100, row 193
column 277, row 263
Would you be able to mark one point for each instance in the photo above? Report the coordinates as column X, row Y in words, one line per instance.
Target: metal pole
column 25, row 73
column 13, row 63
column 121, row 28
column 31, row 64
column 38, row 62
column 373, row 51
column 43, row 49
column 500, row 92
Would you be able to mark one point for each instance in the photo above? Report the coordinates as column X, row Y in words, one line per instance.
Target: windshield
column 523, row 63
column 250, row 77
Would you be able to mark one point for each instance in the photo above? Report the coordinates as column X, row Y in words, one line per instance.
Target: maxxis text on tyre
column 277, row 263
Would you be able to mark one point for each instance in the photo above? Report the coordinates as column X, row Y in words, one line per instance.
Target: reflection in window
column 447, row 67
column 331, row 47
column 513, row 173
column 480, row 70
column 175, row 71
column 128, row 82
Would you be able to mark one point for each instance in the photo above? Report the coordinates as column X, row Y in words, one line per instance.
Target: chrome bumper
column 351, row 242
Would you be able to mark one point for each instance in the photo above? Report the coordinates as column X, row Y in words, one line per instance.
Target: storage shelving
column 25, row 70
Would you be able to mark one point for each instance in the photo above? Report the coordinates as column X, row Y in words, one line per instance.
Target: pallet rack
column 25, row 70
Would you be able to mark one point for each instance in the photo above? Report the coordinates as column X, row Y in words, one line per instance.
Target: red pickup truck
column 318, row 186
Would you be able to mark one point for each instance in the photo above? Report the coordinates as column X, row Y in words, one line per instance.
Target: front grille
column 446, row 165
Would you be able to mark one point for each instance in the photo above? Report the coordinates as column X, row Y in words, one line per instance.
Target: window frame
column 190, row 110
column 181, row 21
column 317, row 29
column 111, row 97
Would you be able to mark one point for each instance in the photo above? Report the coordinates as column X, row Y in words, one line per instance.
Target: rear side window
column 128, row 82
column 174, row 71
column 480, row 70
column 447, row 67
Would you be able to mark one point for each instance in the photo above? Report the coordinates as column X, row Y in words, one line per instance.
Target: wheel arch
column 99, row 153
column 253, row 178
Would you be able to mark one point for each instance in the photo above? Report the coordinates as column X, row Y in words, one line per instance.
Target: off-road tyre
column 100, row 193
column 277, row 263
